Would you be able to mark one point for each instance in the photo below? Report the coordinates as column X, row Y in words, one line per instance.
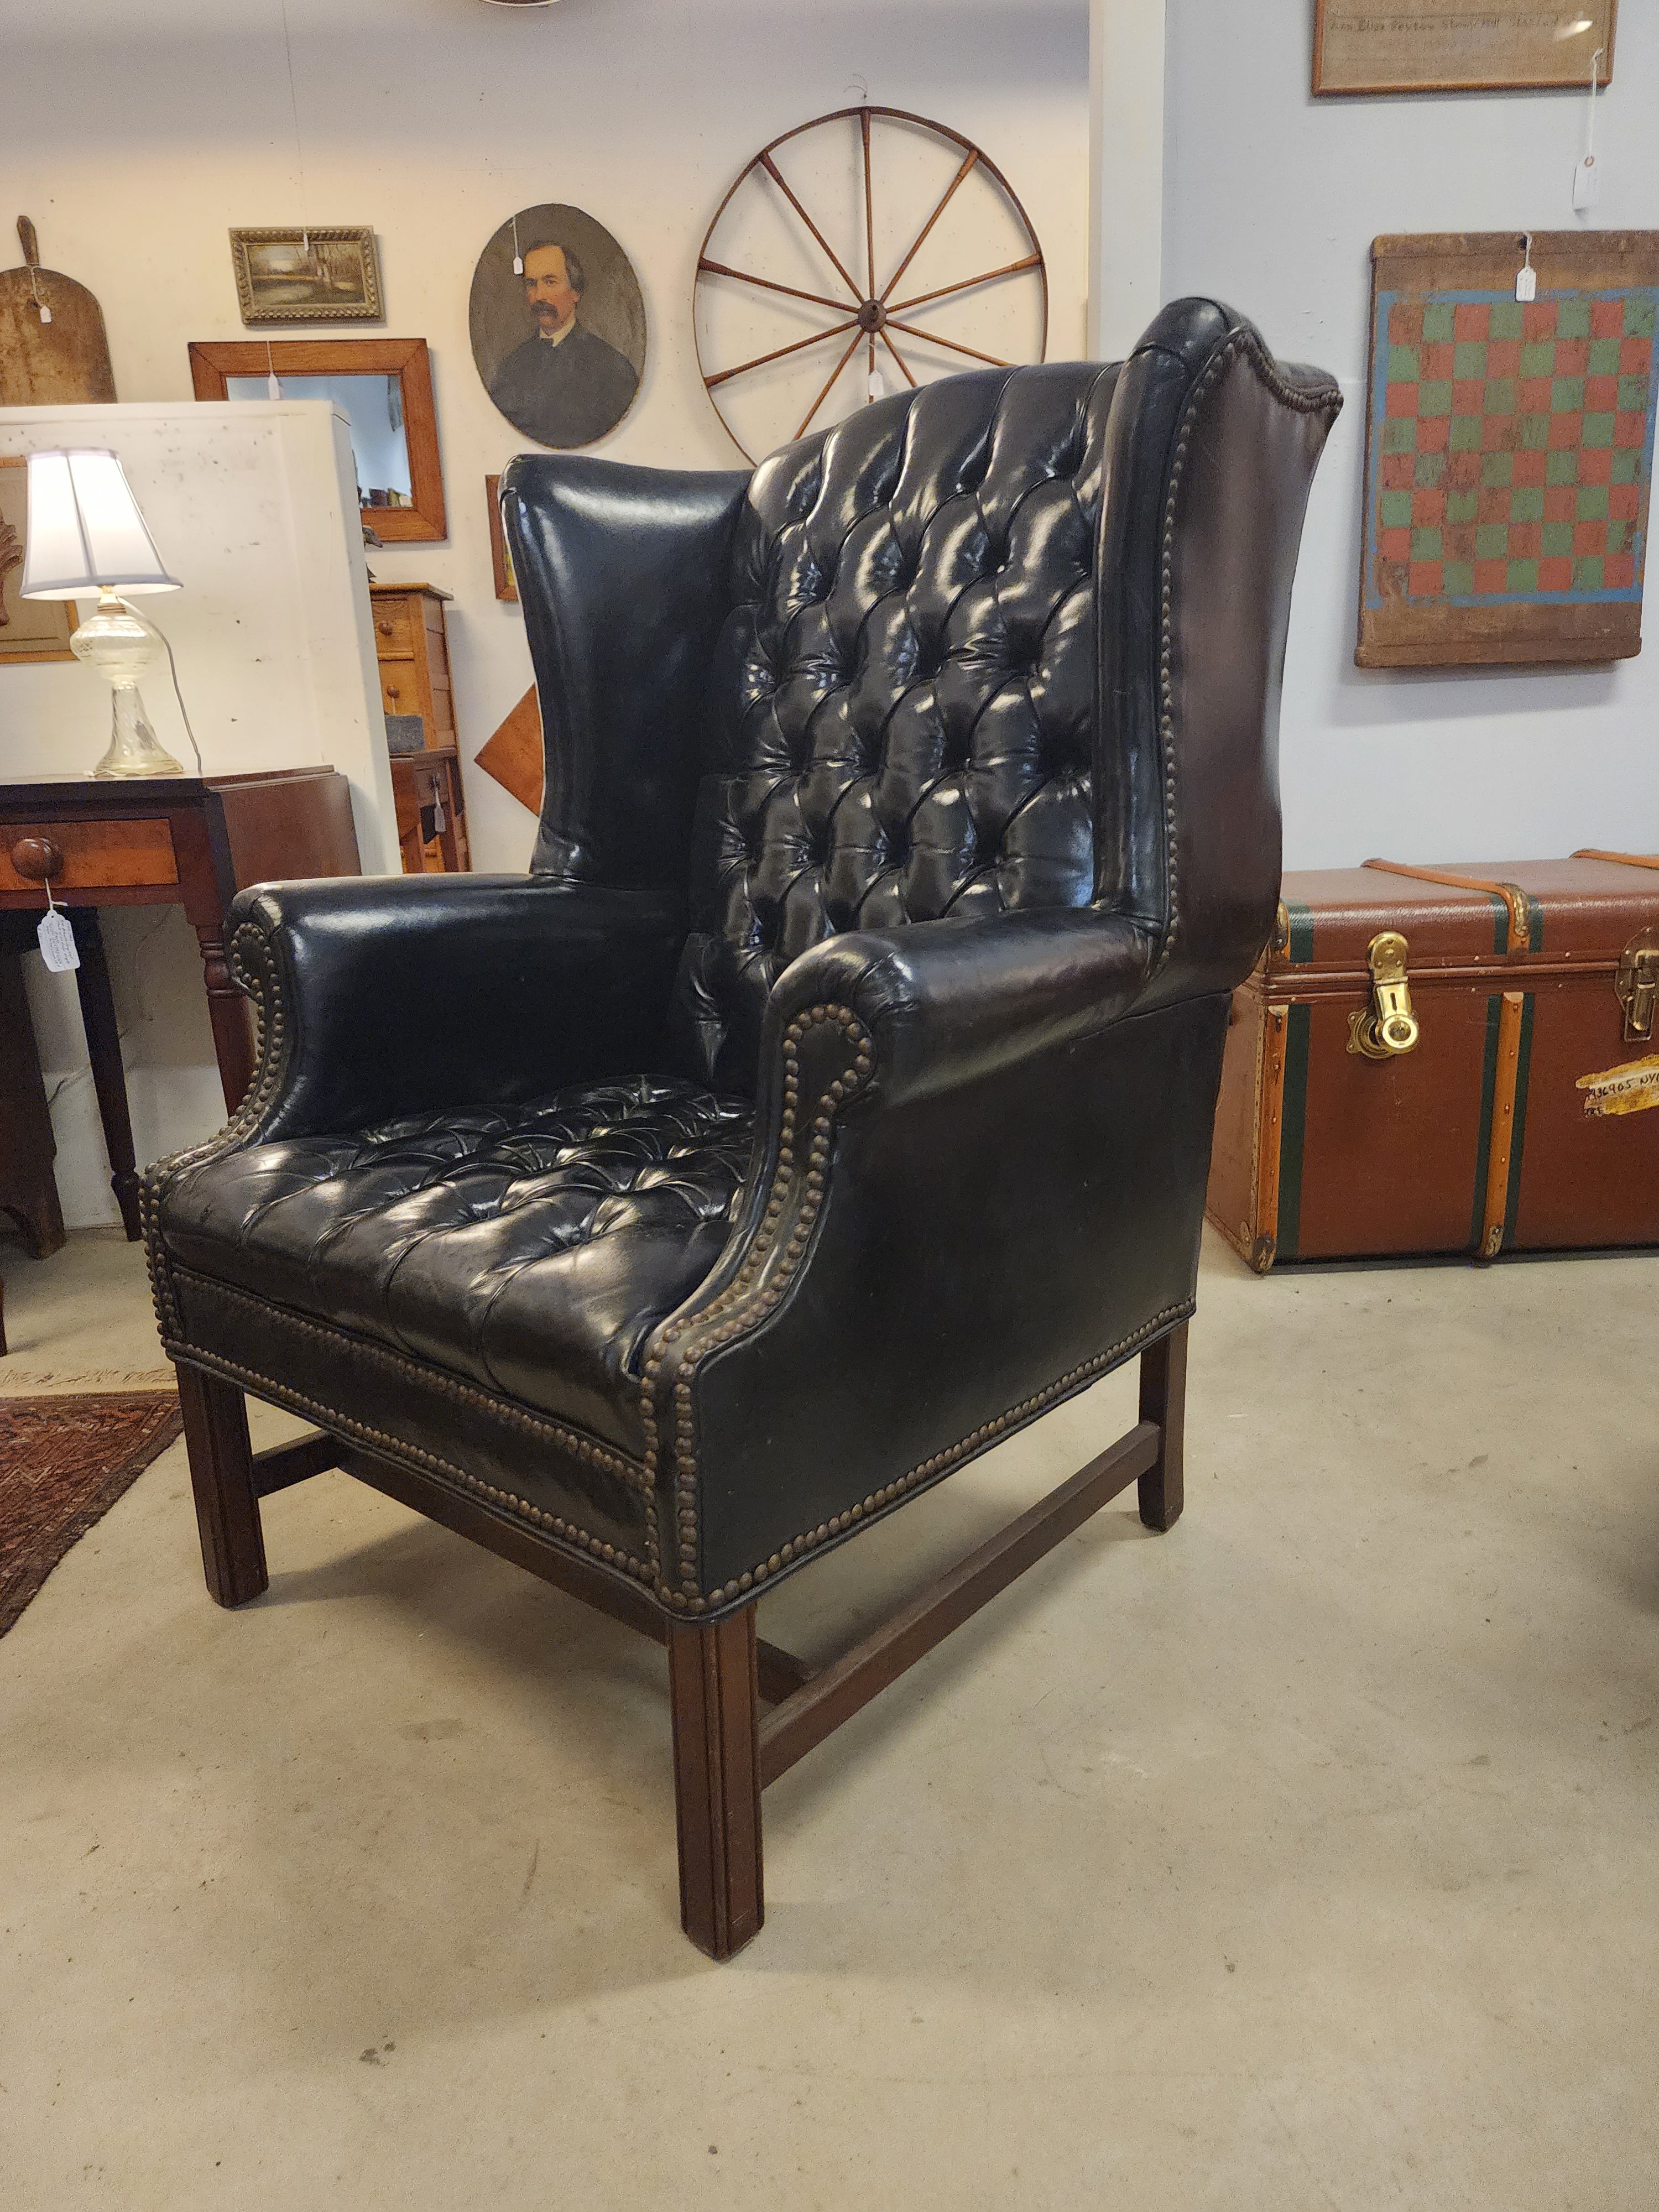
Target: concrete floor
column 1304, row 1857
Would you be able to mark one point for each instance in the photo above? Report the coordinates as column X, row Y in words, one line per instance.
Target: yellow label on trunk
column 1630, row 1089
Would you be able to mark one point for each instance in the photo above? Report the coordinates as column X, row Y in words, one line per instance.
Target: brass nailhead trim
column 1320, row 400
column 254, row 965
column 265, row 1386
column 541, row 1425
column 931, row 1470
column 739, row 1305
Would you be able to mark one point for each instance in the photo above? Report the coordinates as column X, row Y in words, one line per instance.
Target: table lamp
column 85, row 534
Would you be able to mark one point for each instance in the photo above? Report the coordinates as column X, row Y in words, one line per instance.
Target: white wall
column 1272, row 200
column 136, row 137
column 253, row 510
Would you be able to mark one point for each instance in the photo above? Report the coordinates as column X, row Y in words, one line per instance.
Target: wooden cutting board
column 59, row 362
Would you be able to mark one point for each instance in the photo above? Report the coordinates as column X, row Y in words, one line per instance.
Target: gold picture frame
column 298, row 276
column 30, row 630
column 1460, row 46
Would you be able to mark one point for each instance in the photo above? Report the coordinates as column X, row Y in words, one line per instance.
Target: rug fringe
column 20, row 1382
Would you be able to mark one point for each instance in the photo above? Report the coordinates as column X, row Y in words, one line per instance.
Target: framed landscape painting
column 1509, row 459
column 306, row 276
column 1461, row 45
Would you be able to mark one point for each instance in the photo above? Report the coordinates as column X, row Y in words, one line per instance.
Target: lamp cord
column 178, row 694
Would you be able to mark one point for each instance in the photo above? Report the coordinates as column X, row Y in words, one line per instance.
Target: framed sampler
column 1461, row 45
column 1509, row 459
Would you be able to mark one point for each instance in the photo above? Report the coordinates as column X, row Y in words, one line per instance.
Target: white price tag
column 1587, row 182
column 877, row 384
column 57, row 942
column 1526, row 283
column 46, row 313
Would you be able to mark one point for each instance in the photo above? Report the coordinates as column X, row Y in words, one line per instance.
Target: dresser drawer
column 400, row 689
column 396, row 628
column 93, row 855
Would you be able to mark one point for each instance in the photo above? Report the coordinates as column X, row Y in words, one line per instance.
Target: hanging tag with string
column 1526, row 276
column 34, row 293
column 273, row 382
column 56, row 939
column 518, row 258
column 1587, row 177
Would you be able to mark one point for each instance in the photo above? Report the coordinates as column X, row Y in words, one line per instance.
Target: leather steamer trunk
column 1489, row 1087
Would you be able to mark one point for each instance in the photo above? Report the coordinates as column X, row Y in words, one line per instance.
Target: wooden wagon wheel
column 852, row 309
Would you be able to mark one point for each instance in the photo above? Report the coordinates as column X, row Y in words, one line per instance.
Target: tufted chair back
column 902, row 695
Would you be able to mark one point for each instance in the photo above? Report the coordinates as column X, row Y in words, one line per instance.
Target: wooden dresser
column 413, row 651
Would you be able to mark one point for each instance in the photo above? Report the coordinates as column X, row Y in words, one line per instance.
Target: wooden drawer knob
column 385, row 629
column 37, row 859
column 392, row 692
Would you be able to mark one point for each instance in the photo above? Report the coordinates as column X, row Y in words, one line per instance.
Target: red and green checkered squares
column 1513, row 443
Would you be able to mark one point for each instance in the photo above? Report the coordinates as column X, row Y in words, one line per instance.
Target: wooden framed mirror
column 384, row 385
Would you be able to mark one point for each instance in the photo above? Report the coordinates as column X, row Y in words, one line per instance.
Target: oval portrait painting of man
column 561, row 347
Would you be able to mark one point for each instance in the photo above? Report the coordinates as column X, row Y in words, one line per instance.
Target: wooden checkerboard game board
column 1509, row 464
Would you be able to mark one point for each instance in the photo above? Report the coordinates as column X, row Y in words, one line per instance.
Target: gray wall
column 1272, row 200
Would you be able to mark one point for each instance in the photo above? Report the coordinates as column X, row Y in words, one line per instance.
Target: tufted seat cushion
column 528, row 1248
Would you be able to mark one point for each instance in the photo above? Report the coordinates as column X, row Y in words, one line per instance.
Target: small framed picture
column 507, row 584
column 1424, row 46
column 306, row 276
column 30, row 630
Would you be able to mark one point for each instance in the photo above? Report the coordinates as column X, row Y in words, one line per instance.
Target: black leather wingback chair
column 834, row 1095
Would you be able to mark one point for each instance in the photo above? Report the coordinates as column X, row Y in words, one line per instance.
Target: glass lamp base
column 133, row 749
column 117, row 641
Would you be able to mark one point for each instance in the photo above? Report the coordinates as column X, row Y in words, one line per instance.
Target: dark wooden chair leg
column 221, row 1475
column 1163, row 1400
column 717, row 1788
column 104, row 1051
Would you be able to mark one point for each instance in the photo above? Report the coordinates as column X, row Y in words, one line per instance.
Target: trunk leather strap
column 1515, row 904
column 1495, row 1204
column 1624, row 859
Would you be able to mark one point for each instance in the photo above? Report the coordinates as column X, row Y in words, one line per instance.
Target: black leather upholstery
column 529, row 1248
column 835, row 1094
column 904, row 705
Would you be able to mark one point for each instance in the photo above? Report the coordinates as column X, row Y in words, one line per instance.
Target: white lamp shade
column 85, row 533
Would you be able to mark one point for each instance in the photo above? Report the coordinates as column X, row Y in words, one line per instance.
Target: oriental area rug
column 64, row 1462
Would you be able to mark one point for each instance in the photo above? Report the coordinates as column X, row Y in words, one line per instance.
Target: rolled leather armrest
column 384, row 997
column 949, row 1000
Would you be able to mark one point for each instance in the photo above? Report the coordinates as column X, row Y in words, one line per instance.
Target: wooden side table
column 185, row 841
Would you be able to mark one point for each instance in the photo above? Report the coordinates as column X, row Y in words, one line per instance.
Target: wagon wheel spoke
column 770, row 284
column 869, row 217
column 867, row 325
column 967, row 284
column 945, row 198
column 829, row 384
column 782, row 184
column 834, row 331
column 904, row 369
column 932, row 338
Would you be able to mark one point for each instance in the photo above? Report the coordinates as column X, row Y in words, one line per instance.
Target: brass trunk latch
column 1388, row 1026
column 1637, row 984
